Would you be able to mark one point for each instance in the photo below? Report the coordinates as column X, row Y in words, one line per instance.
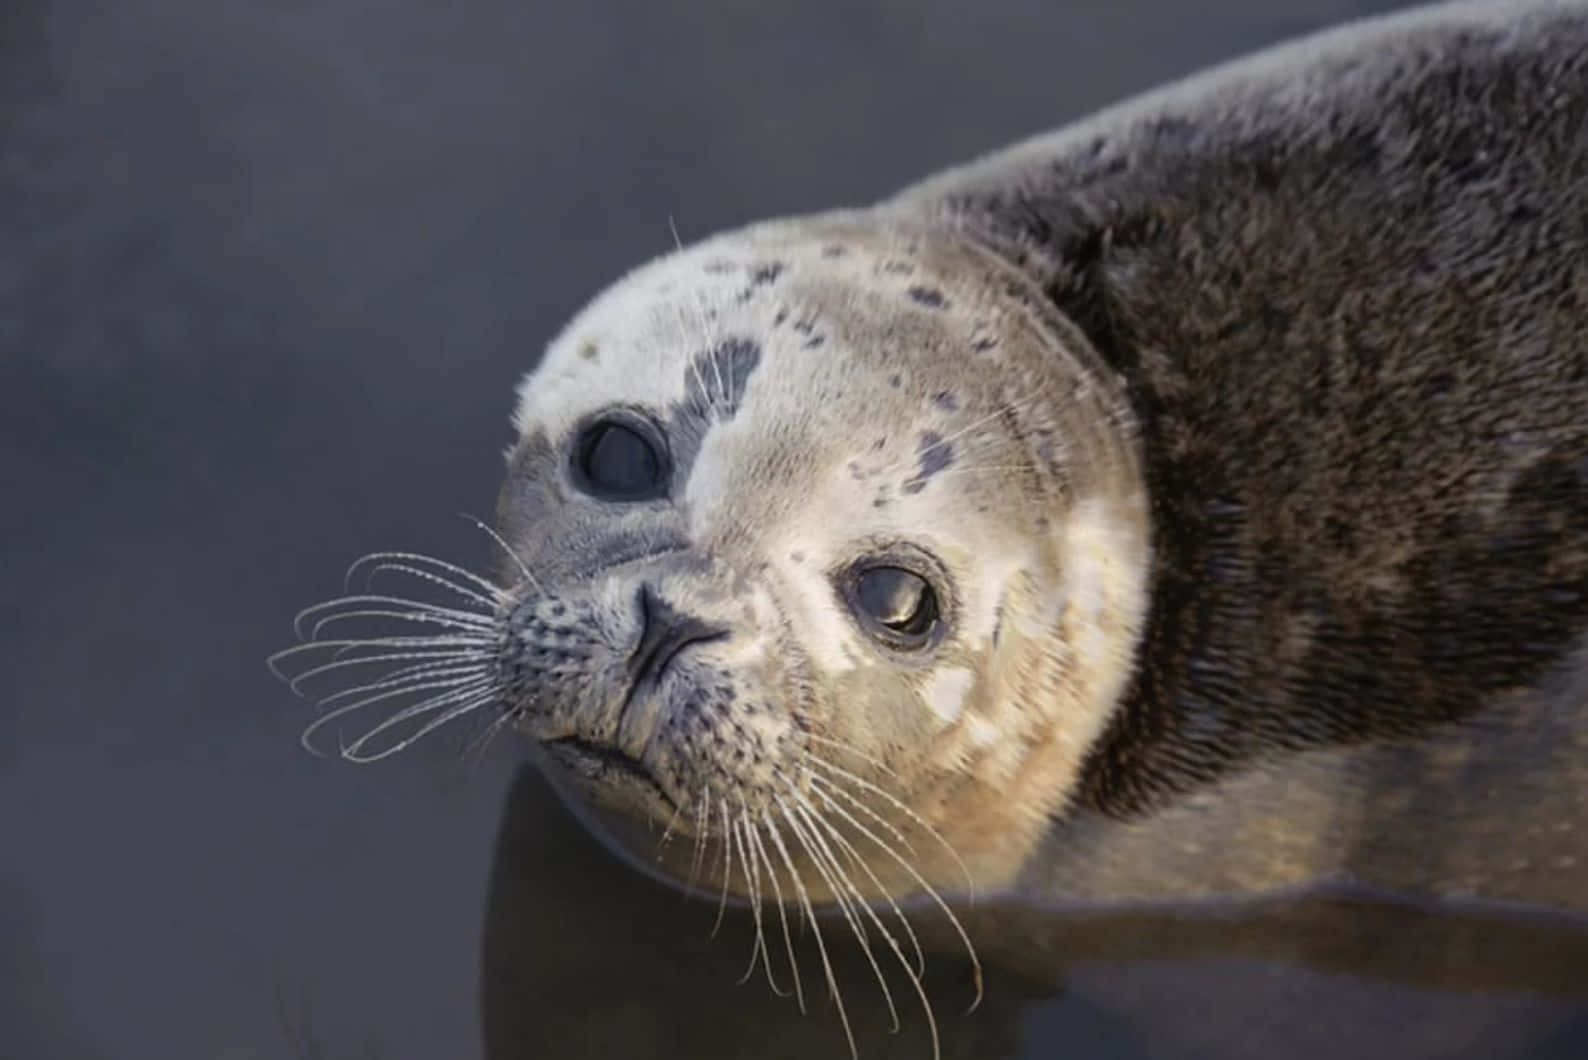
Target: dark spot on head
column 880, row 443
column 815, row 341
column 782, row 315
column 765, row 274
column 934, row 454
column 928, row 296
column 855, row 471
column 714, row 388
column 589, row 350
column 895, row 380
column 833, row 250
column 982, row 345
column 805, row 326
column 797, row 557
column 898, row 268
column 718, row 268
column 720, row 374
column 945, row 401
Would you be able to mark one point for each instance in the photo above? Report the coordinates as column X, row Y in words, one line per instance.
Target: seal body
column 1190, row 502
column 1346, row 283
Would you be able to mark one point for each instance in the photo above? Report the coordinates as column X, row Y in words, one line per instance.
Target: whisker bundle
column 419, row 662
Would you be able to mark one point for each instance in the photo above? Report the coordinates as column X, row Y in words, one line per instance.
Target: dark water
column 268, row 272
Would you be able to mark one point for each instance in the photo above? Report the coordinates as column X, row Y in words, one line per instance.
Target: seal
column 1192, row 502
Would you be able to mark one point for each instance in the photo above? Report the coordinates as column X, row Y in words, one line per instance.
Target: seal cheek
column 945, row 693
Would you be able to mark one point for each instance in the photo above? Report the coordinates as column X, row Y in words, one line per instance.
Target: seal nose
column 664, row 632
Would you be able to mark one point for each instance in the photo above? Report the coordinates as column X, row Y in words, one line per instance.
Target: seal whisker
column 904, row 809
column 518, row 560
column 446, row 700
column 418, row 617
column 727, row 869
column 445, row 693
column 667, row 831
column 842, row 890
column 342, row 645
column 751, row 869
column 427, row 661
column 449, row 687
column 387, row 650
column 817, row 779
column 339, row 663
column 821, row 946
column 782, row 912
column 433, row 579
column 914, row 974
column 474, row 751
column 697, row 857
column 857, row 860
column 428, row 684
column 925, row 886
column 421, row 607
column 414, row 678
column 352, row 754
column 473, row 586
column 857, row 752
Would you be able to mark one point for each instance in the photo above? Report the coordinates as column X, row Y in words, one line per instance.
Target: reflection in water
column 584, row 957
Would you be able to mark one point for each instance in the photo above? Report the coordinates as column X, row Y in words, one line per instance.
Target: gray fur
column 1347, row 283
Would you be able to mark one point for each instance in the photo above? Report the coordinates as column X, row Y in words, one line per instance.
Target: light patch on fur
column 823, row 630
column 945, row 692
column 1106, row 560
column 994, row 575
column 981, row 733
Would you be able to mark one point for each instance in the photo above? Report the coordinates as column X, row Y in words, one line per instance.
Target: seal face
column 815, row 523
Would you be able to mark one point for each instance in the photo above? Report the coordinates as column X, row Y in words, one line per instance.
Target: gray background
column 268, row 274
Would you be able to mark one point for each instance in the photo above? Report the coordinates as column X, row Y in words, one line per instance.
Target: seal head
column 824, row 520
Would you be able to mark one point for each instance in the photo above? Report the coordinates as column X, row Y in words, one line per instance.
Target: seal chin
column 607, row 776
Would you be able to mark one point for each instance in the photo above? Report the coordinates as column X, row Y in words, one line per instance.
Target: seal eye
column 617, row 462
column 896, row 605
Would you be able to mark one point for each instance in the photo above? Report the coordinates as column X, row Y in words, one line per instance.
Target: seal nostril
column 664, row 632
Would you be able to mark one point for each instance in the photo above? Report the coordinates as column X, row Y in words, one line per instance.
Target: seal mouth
column 604, row 767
